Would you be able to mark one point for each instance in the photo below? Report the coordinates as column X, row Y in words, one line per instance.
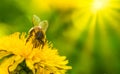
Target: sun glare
column 98, row 5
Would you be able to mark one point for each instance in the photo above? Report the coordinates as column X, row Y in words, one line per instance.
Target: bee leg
column 30, row 35
column 35, row 43
column 42, row 44
column 45, row 41
column 28, row 38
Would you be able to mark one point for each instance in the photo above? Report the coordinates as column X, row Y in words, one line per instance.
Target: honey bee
column 37, row 33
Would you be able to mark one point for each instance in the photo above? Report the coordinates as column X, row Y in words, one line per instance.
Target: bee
column 37, row 33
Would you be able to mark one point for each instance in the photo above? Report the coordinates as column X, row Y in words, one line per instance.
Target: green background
column 88, row 53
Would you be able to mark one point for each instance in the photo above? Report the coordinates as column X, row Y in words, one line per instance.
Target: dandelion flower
column 19, row 57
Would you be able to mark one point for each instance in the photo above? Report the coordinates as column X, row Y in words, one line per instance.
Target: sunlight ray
column 105, row 51
column 80, row 13
column 78, row 27
column 88, row 47
column 112, row 21
column 114, row 13
column 90, row 39
column 81, row 26
column 102, row 27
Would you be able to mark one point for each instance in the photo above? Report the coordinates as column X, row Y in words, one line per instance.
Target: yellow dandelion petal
column 39, row 60
column 49, row 60
column 30, row 64
column 17, row 60
column 31, row 54
column 4, row 54
column 12, row 43
column 4, row 65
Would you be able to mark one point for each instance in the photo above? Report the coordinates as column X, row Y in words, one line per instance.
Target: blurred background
column 86, row 31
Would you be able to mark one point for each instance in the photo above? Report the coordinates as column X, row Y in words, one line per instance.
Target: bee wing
column 44, row 25
column 35, row 20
